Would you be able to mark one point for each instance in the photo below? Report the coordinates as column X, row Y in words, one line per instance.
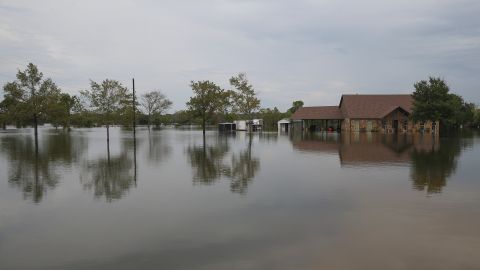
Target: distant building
column 384, row 113
column 283, row 125
column 257, row 124
column 227, row 127
column 241, row 124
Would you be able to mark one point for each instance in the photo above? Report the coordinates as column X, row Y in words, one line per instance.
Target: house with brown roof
column 384, row 113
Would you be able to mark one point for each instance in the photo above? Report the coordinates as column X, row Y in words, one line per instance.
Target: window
column 405, row 125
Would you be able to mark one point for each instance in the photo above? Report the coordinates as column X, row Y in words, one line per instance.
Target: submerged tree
column 28, row 98
column 154, row 103
column 246, row 101
column 61, row 109
column 208, row 99
column 107, row 99
column 432, row 101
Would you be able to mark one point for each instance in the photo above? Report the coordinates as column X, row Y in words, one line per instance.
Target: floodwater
column 270, row 201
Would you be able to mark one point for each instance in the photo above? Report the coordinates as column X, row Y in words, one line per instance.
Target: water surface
column 270, row 201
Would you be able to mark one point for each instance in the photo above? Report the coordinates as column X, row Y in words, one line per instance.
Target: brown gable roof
column 373, row 106
column 321, row 112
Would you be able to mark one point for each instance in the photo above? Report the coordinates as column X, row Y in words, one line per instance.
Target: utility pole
column 134, row 108
column 134, row 136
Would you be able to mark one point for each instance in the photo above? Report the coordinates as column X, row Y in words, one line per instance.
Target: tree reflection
column 111, row 176
column 34, row 169
column 242, row 169
column 207, row 161
column 432, row 165
column 158, row 150
column 433, row 159
column 210, row 163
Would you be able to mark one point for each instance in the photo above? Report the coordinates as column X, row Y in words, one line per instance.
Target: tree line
column 32, row 99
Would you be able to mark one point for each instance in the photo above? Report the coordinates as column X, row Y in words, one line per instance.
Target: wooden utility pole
column 134, row 135
column 134, row 108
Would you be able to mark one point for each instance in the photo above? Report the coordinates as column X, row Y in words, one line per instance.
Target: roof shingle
column 320, row 112
column 373, row 106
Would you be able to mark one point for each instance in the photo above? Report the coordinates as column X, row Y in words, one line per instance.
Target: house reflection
column 35, row 170
column 431, row 159
column 214, row 160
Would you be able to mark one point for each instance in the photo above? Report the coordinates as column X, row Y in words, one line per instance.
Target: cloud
column 311, row 50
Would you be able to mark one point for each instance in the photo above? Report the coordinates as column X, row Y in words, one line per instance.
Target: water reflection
column 242, row 169
column 207, row 160
column 158, row 149
column 213, row 160
column 433, row 165
column 33, row 169
column 432, row 159
column 111, row 176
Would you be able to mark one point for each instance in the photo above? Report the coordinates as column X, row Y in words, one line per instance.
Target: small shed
column 227, row 127
column 283, row 125
column 241, row 124
column 257, row 124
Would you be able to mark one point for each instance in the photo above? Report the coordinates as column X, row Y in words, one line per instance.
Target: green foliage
column 295, row 106
column 61, row 108
column 29, row 98
column 432, row 101
column 208, row 99
column 109, row 99
column 245, row 98
column 271, row 117
column 476, row 117
column 154, row 103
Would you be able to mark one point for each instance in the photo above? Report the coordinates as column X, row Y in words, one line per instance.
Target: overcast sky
column 302, row 49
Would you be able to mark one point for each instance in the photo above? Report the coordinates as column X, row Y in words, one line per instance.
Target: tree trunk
column 149, row 121
column 35, row 125
column 4, row 125
column 68, row 122
column 203, row 125
column 108, row 145
column 108, row 133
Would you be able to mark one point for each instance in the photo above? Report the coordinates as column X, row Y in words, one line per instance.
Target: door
column 395, row 126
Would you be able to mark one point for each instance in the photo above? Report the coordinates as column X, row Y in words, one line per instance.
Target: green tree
column 295, row 106
column 208, row 99
column 246, row 101
column 271, row 117
column 29, row 96
column 432, row 101
column 476, row 117
column 61, row 108
column 107, row 99
column 154, row 103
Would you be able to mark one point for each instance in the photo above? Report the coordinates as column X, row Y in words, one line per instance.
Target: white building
column 283, row 125
column 257, row 124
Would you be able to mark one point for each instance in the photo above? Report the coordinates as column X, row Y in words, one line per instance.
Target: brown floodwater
column 269, row 201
